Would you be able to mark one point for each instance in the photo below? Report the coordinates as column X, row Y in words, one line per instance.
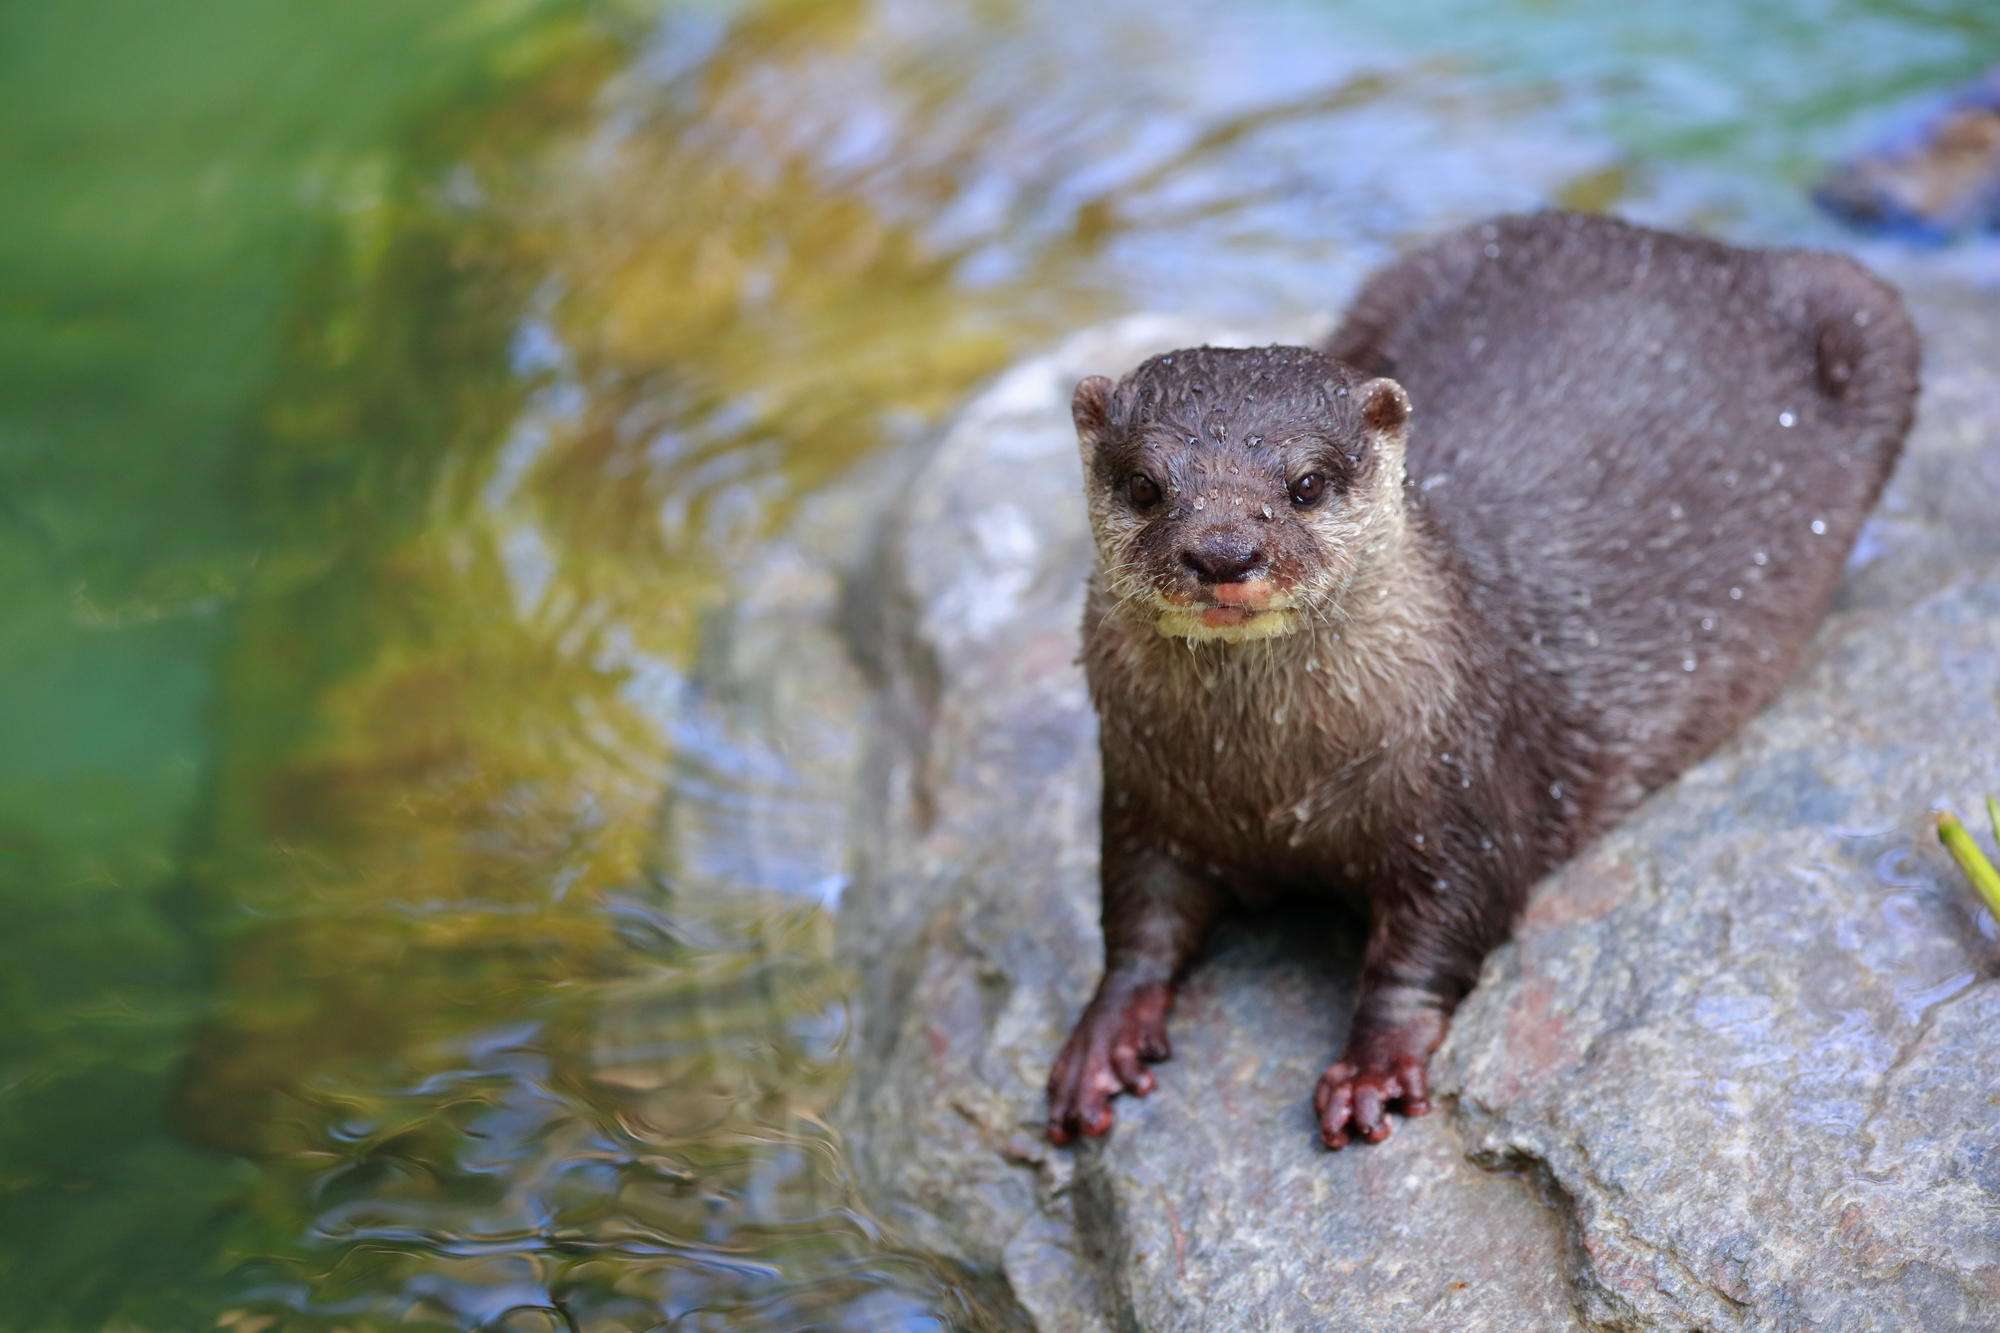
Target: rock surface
column 1737, row 1072
column 1934, row 179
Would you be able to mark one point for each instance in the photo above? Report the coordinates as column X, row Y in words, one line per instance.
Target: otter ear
column 1385, row 411
column 1090, row 406
column 1385, row 425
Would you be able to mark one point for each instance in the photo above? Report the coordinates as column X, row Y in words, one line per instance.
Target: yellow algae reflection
column 547, row 391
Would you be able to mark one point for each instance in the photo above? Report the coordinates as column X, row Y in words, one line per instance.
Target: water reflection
column 646, row 1152
column 512, row 979
column 497, row 1075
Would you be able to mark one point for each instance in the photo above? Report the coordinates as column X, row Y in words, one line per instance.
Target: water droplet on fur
column 1197, row 504
column 1486, row 844
column 1819, row 527
column 1556, row 790
column 1687, row 664
column 1787, row 419
column 1278, row 717
column 1312, row 664
column 1218, row 744
column 1760, row 559
column 1707, row 622
column 1492, row 251
column 1419, row 840
column 1736, row 594
column 1590, row 637
column 1267, row 511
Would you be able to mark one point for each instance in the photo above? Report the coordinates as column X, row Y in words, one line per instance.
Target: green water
column 389, row 393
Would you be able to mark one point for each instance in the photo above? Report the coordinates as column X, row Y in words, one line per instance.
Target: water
column 419, row 424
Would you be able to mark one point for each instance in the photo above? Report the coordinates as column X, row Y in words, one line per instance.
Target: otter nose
column 1222, row 557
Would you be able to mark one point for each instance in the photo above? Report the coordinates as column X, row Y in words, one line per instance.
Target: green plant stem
column 1970, row 859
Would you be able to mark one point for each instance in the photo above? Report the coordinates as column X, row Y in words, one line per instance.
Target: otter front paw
column 1358, row 1096
column 1106, row 1055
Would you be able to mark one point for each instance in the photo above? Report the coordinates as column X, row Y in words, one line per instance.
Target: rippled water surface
column 423, row 424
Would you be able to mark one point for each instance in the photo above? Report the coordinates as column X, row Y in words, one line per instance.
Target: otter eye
column 1145, row 492
column 1307, row 489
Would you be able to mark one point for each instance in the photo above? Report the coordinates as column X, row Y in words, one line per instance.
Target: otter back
column 1651, row 453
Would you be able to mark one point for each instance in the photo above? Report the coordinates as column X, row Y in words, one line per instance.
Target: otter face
column 1235, row 492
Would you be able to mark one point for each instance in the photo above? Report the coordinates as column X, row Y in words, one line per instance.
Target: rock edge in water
column 1734, row 1073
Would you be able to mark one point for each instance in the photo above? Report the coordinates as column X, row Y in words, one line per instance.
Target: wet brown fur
column 1511, row 618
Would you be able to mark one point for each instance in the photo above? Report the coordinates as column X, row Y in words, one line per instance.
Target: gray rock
column 1733, row 1074
column 1745, row 1042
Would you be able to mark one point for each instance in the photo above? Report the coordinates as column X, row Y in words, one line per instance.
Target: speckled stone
column 1737, row 1072
column 1747, row 1042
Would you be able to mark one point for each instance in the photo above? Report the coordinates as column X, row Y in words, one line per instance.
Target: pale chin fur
column 1182, row 623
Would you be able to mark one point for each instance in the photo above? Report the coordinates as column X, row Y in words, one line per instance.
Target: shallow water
column 421, row 428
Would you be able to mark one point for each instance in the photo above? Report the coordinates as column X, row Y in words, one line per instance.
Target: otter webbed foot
column 1119, row 1034
column 1382, row 1071
column 1355, row 1100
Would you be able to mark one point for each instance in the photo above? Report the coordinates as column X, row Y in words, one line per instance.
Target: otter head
column 1235, row 493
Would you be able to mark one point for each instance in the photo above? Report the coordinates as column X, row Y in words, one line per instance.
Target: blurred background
column 416, row 912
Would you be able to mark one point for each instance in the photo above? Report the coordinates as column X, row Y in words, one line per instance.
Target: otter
column 1412, row 618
